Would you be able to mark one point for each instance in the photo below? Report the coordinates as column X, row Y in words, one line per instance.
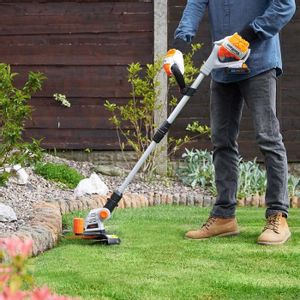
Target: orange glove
column 233, row 47
column 173, row 57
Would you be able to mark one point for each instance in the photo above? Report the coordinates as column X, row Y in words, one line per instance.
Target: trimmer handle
column 178, row 77
column 213, row 62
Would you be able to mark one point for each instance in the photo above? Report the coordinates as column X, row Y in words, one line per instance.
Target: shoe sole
column 226, row 234
column 274, row 243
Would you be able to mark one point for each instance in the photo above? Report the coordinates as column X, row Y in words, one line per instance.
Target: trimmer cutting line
column 93, row 227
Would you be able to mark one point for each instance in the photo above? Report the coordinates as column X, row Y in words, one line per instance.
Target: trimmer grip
column 113, row 201
column 178, row 76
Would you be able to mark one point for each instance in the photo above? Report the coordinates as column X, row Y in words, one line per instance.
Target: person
column 255, row 24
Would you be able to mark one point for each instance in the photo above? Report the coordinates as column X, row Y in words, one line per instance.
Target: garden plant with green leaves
column 198, row 170
column 134, row 121
column 61, row 173
column 14, row 111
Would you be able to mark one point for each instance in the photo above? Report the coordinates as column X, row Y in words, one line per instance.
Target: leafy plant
column 59, row 173
column 293, row 185
column 134, row 120
column 196, row 127
column 14, row 111
column 252, row 179
column 198, row 170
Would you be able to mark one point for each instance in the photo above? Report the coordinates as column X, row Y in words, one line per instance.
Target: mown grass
column 154, row 261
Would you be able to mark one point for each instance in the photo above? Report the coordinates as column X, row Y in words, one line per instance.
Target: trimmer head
column 92, row 228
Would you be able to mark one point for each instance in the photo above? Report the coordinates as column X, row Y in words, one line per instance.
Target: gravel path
column 21, row 198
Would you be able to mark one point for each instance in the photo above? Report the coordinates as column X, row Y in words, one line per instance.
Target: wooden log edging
column 45, row 229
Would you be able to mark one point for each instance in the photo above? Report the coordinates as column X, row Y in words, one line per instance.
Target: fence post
column 160, row 48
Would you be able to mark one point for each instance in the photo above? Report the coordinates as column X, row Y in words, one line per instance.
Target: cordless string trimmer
column 230, row 53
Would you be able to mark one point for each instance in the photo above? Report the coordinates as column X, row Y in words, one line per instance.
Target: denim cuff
column 270, row 212
column 224, row 213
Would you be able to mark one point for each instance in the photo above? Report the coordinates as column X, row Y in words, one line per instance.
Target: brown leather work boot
column 215, row 226
column 275, row 232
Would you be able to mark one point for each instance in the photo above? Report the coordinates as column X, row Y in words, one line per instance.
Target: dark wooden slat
column 289, row 82
column 74, row 17
column 77, row 117
column 75, row 139
column 290, row 96
column 75, row 102
column 290, row 123
column 102, row 49
column 80, row 81
column 290, row 111
column 71, row 122
column 84, row 113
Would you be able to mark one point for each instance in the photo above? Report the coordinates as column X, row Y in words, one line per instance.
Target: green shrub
column 59, row 173
column 294, row 185
column 198, row 170
column 252, row 179
column 14, row 111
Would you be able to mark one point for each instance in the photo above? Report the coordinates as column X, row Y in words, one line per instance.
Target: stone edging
column 45, row 228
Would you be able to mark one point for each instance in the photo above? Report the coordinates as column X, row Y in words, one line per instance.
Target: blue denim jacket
column 266, row 17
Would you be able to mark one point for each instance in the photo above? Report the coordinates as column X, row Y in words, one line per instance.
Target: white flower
column 62, row 99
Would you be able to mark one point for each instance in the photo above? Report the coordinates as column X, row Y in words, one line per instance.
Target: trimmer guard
column 103, row 238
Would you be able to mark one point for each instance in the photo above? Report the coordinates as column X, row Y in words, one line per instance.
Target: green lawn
column 154, row 261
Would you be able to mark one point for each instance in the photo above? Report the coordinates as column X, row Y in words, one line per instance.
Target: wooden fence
column 84, row 47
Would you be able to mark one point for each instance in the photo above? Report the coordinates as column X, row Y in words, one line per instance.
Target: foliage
column 14, row 111
column 294, row 185
column 134, row 120
column 16, row 281
column 59, row 173
column 154, row 261
column 252, row 179
column 196, row 127
column 198, row 170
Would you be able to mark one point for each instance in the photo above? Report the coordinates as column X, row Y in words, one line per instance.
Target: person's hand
column 173, row 57
column 232, row 47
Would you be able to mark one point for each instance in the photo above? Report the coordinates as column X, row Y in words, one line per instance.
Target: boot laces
column 273, row 223
column 209, row 222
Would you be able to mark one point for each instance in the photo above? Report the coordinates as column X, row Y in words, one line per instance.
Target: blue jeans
column 227, row 100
